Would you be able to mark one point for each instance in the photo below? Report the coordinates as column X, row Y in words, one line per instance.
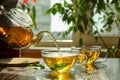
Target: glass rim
column 52, row 50
column 85, row 47
column 88, row 48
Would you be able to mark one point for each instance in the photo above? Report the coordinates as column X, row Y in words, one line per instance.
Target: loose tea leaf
column 57, row 67
column 37, row 65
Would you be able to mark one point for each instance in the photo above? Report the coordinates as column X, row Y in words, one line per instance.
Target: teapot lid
column 18, row 17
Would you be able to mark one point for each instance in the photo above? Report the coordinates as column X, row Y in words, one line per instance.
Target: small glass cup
column 91, row 52
column 87, row 56
column 60, row 61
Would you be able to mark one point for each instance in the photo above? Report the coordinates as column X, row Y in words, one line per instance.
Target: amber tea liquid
column 16, row 36
column 60, row 62
column 91, row 56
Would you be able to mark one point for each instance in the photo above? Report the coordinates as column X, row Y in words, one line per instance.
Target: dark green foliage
column 80, row 41
column 80, row 14
column 112, row 52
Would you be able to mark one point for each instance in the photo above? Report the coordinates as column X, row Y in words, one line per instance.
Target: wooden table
column 109, row 69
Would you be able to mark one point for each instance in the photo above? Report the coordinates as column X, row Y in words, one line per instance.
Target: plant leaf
column 37, row 65
column 80, row 28
column 57, row 67
column 80, row 41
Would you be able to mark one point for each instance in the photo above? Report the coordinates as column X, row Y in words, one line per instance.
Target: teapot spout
column 37, row 39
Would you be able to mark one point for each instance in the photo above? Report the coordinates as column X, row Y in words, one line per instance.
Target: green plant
column 80, row 14
column 111, row 52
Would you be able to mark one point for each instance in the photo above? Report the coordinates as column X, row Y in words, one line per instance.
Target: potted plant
column 80, row 14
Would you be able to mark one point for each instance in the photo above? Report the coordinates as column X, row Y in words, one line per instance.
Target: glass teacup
column 60, row 61
column 91, row 52
column 87, row 56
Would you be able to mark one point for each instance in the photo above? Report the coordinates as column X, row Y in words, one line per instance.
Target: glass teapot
column 18, row 33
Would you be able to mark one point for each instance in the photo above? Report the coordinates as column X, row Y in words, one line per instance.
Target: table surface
column 105, row 69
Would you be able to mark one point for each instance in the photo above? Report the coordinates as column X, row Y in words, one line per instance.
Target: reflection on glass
column 61, row 76
column 91, row 68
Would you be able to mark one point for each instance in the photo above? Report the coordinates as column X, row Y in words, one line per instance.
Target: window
column 54, row 24
column 49, row 22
